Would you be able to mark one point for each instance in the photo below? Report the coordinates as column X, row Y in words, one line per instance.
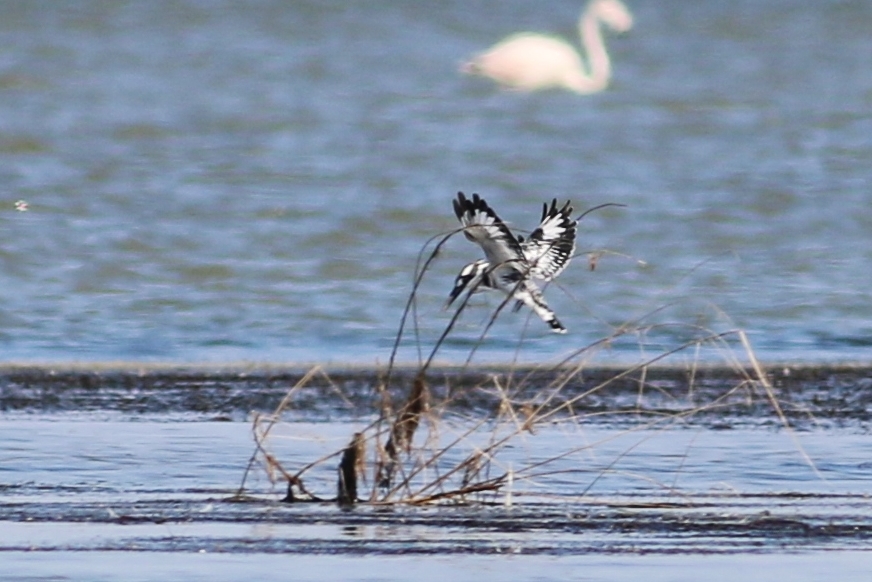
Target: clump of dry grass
column 420, row 450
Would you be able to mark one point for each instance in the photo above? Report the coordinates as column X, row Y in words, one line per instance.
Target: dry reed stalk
column 350, row 467
column 470, row 473
column 431, row 461
column 410, row 416
column 747, row 379
column 259, row 438
column 763, row 379
column 512, row 419
column 403, row 429
column 490, row 487
column 533, row 415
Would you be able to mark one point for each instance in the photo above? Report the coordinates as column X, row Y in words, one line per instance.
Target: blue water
column 221, row 181
column 657, row 568
column 110, row 497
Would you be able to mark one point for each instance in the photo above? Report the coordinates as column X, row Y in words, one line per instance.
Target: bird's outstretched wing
column 483, row 226
column 550, row 247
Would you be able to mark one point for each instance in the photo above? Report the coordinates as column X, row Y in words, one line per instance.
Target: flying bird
column 528, row 61
column 511, row 262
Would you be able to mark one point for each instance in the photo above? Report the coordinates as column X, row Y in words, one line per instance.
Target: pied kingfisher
column 513, row 262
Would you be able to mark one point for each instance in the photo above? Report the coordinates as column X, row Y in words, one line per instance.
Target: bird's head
column 614, row 13
column 469, row 277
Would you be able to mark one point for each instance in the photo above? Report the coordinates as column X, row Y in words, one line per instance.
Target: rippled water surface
column 132, row 476
column 216, row 180
column 196, row 181
column 87, row 497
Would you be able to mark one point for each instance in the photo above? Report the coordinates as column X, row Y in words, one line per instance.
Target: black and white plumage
column 513, row 262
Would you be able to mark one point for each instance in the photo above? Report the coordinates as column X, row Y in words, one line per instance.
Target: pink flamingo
column 528, row 61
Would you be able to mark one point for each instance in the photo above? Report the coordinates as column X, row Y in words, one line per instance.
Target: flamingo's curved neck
column 595, row 57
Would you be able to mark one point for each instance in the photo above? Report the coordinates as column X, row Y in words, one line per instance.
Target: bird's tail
column 531, row 296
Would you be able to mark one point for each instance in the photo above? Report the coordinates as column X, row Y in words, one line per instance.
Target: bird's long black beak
column 460, row 285
column 455, row 293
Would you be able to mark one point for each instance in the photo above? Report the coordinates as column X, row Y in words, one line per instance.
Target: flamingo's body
column 528, row 61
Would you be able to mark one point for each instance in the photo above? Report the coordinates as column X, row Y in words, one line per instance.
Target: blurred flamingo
column 528, row 61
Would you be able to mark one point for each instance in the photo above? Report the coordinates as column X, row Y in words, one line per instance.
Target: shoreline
column 232, row 391
column 792, row 370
